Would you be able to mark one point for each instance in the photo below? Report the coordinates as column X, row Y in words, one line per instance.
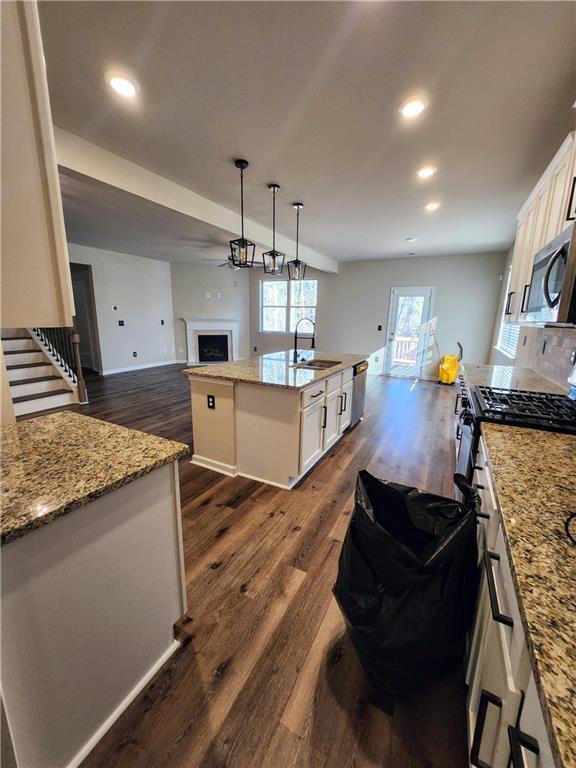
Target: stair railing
column 63, row 344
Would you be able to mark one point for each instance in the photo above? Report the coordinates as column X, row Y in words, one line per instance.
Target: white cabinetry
column 311, row 435
column 346, row 406
column 503, row 706
column 529, row 742
column 540, row 220
column 325, row 415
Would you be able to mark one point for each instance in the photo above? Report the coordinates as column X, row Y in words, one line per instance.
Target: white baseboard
column 217, row 466
column 109, row 371
column 81, row 755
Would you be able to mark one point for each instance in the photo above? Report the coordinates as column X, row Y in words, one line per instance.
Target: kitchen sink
column 317, row 365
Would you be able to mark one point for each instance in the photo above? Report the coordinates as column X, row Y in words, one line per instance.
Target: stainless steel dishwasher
column 358, row 392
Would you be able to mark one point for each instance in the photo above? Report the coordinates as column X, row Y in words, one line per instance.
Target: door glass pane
column 274, row 319
column 304, row 293
column 407, row 331
column 297, row 313
column 275, row 292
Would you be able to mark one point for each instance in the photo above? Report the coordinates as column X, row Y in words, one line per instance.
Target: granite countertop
column 509, row 377
column 276, row 369
column 54, row 464
column 535, row 479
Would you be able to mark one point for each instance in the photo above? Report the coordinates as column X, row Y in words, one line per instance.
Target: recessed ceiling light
column 432, row 206
column 410, row 239
column 412, row 108
column 126, row 88
column 425, row 171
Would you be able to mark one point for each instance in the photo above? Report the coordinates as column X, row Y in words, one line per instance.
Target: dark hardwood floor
column 266, row 676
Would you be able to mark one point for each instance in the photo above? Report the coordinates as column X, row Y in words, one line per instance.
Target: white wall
column 142, row 290
column 208, row 292
column 354, row 302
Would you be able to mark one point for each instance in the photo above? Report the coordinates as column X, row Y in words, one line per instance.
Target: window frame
column 507, row 331
column 287, row 308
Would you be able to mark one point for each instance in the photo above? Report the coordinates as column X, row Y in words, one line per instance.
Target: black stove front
column 519, row 408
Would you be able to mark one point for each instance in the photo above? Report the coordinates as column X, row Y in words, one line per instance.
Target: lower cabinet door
column 331, row 418
column 529, row 743
column 312, row 434
column 346, row 406
column 493, row 701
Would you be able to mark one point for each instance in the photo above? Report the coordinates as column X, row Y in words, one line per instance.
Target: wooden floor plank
column 264, row 647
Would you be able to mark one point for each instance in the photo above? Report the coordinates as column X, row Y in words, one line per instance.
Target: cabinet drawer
column 347, row 375
column 333, row 383
column 313, row 394
column 508, row 605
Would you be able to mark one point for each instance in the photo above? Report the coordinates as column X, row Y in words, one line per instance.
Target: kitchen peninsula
column 92, row 578
column 268, row 418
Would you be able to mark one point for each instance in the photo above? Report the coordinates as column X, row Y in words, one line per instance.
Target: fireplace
column 212, row 347
column 211, row 341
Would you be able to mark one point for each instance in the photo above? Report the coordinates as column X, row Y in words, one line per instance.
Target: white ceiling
column 309, row 93
column 103, row 216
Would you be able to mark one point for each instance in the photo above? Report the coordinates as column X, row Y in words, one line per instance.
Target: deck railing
column 405, row 349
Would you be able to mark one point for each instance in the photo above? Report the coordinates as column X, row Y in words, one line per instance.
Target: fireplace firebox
column 212, row 348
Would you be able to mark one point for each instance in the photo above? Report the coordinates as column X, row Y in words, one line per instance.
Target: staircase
column 37, row 381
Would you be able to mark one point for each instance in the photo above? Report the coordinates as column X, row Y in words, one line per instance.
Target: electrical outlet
column 376, row 359
column 120, row 322
column 211, row 402
column 161, row 322
column 134, row 354
column 573, row 356
column 379, row 327
column 255, row 349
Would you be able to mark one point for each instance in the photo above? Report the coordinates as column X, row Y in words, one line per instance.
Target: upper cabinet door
column 36, row 284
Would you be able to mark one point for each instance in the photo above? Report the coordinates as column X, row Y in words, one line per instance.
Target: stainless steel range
column 510, row 407
column 518, row 408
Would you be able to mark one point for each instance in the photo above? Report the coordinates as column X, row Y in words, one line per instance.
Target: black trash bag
column 407, row 581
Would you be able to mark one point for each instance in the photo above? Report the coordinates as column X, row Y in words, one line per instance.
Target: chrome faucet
column 312, row 345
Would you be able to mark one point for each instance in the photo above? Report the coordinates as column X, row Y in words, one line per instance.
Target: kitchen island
column 267, row 418
column 92, row 579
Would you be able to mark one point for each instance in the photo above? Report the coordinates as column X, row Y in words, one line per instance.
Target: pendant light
column 297, row 267
column 241, row 249
column 273, row 260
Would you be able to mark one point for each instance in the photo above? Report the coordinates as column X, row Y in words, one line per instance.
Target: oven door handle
column 545, row 287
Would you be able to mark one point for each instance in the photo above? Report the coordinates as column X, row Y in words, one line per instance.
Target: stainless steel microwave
column 550, row 297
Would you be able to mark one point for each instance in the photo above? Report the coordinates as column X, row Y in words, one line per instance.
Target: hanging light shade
column 241, row 249
column 273, row 260
column 297, row 267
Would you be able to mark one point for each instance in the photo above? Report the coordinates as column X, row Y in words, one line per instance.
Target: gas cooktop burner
column 539, row 410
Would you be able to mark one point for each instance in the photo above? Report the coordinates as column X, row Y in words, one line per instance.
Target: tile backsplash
column 548, row 351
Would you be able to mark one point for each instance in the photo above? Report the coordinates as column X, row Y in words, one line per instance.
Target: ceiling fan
column 228, row 263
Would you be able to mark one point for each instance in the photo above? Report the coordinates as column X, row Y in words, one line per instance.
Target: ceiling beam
column 91, row 160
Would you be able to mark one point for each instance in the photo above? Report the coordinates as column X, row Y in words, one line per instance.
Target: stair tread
column 20, row 382
column 25, row 365
column 40, row 395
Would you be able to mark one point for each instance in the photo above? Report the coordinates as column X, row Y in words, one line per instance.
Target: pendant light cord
column 242, row 199
column 297, row 230
column 274, row 220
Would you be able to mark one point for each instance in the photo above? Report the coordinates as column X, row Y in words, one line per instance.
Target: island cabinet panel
column 312, row 435
column 88, row 607
column 267, row 433
column 345, row 407
column 214, row 428
column 331, row 423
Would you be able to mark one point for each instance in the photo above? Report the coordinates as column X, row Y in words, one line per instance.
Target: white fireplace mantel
column 195, row 327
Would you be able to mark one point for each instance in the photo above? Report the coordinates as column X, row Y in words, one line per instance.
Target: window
column 284, row 302
column 509, row 332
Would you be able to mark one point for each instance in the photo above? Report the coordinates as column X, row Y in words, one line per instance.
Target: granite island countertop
column 509, row 377
column 54, row 464
column 535, row 482
column 276, row 369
